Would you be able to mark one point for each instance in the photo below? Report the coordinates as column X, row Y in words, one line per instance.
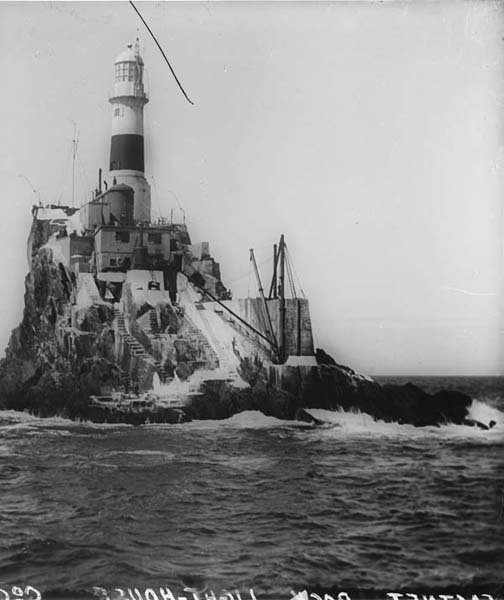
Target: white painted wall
column 129, row 118
column 141, row 188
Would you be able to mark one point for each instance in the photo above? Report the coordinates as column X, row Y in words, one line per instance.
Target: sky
column 369, row 133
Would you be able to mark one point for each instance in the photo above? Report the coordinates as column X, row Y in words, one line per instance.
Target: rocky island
column 127, row 320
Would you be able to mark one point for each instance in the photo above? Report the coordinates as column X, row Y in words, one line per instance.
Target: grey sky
column 370, row 134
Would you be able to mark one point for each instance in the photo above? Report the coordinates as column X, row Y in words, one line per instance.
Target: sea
column 254, row 508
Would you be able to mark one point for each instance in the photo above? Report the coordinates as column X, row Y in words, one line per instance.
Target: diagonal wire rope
column 240, row 277
column 293, row 266
column 289, row 275
column 162, row 52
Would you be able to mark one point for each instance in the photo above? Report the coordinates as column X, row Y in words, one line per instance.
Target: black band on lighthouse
column 127, row 152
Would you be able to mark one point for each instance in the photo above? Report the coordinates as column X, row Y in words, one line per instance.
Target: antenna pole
column 75, row 142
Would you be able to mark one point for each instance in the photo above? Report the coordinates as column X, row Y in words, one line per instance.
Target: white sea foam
column 15, row 417
column 135, row 457
column 358, row 423
column 484, row 413
column 141, row 453
column 338, row 422
column 246, row 464
column 6, row 451
column 11, row 420
column 248, row 419
column 253, row 419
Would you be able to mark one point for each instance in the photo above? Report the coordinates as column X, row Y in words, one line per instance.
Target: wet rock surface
column 332, row 387
column 58, row 356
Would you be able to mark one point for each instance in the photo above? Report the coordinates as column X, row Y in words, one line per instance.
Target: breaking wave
column 252, row 502
column 358, row 423
column 340, row 421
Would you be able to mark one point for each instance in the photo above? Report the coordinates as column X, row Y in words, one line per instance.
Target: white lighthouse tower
column 127, row 142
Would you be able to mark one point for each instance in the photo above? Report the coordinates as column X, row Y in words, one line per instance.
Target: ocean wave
column 133, row 458
column 168, row 455
column 13, row 420
column 358, row 423
column 347, row 422
column 484, row 413
column 6, row 451
column 14, row 417
column 246, row 464
column 247, row 419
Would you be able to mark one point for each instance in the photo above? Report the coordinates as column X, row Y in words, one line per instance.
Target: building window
column 154, row 238
column 122, row 236
column 113, row 262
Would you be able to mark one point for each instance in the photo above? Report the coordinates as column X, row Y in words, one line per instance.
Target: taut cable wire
column 162, row 52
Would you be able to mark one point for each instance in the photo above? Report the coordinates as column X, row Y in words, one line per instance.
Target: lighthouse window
column 125, row 71
column 120, row 71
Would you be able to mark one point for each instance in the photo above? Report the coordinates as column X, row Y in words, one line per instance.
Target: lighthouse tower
column 127, row 142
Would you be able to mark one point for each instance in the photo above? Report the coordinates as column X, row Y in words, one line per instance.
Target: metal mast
column 75, row 143
column 263, row 299
column 281, row 293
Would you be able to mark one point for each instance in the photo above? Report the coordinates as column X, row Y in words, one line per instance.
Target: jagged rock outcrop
column 56, row 357
column 329, row 386
column 63, row 352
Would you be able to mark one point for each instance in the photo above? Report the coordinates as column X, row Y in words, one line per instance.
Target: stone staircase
column 134, row 346
column 136, row 349
column 198, row 339
column 154, row 325
column 207, row 359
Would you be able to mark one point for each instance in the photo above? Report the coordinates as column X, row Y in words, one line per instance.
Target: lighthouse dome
column 131, row 54
column 129, row 68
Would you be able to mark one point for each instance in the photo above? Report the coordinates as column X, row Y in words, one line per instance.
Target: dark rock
column 139, row 335
column 94, row 317
column 305, row 417
column 251, row 370
column 99, row 414
column 55, row 361
column 168, row 368
column 169, row 321
column 186, row 352
column 478, row 424
column 329, row 387
column 183, row 371
column 323, row 358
